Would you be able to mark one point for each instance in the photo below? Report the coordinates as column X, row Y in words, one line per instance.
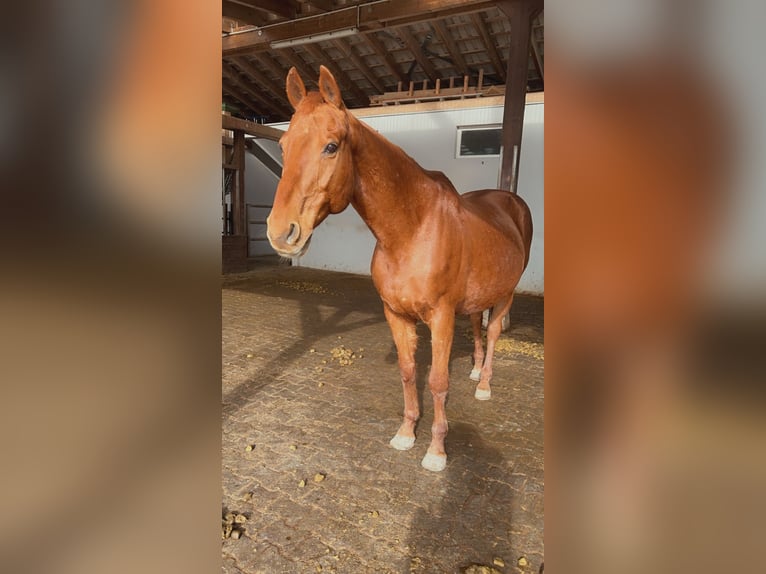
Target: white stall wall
column 343, row 242
column 260, row 187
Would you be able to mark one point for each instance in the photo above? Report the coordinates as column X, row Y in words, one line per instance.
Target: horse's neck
column 392, row 190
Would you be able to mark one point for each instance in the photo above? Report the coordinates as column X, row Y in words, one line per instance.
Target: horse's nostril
column 294, row 234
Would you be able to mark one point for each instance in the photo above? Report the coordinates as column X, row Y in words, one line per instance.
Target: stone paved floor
column 304, row 414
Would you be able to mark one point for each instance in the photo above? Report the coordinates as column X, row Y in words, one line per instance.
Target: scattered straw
column 305, row 287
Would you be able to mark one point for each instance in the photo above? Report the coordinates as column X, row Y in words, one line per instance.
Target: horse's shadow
column 469, row 524
column 313, row 328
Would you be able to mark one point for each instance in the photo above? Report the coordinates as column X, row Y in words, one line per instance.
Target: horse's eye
column 330, row 148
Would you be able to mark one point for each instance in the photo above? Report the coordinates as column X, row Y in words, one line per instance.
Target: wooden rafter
column 276, row 68
column 340, row 75
column 263, row 80
column 489, row 42
column 415, row 49
column 348, row 51
column 242, row 14
column 452, row 47
column 259, row 106
column 283, row 8
column 236, row 81
column 241, row 97
column 373, row 16
column 385, row 55
column 536, row 60
column 536, row 56
column 308, row 75
column 323, row 5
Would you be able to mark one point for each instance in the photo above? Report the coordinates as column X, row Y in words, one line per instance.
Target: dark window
column 479, row 141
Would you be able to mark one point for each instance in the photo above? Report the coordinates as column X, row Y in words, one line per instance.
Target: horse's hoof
column 475, row 375
column 483, row 394
column 434, row 462
column 400, row 442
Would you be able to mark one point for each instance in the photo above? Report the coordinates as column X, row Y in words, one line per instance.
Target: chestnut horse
column 438, row 253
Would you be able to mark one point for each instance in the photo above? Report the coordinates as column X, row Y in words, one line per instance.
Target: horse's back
column 504, row 210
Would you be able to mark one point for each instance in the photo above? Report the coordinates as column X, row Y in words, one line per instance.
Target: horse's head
column 318, row 171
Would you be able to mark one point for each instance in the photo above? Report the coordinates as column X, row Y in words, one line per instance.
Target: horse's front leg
column 406, row 340
column 442, row 326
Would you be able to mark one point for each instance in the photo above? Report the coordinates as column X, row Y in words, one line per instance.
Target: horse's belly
column 489, row 284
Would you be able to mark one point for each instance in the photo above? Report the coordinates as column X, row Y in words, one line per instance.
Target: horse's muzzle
column 291, row 243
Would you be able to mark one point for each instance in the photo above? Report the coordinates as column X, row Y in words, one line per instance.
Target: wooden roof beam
column 283, row 8
column 267, row 83
column 346, row 83
column 348, row 51
column 366, row 17
column 489, row 42
column 276, row 68
column 235, row 80
column 323, row 5
column 415, row 49
column 241, row 97
column 256, row 107
column 536, row 60
column 244, row 14
column 308, row 75
column 385, row 55
column 454, row 51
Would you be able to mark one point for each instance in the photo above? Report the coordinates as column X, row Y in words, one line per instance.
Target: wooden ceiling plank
column 283, row 8
column 454, row 51
column 273, row 87
column 346, row 83
column 241, row 97
column 323, row 5
column 348, row 51
column 276, row 68
column 256, row 107
column 235, row 79
column 414, row 47
column 536, row 60
column 308, row 75
column 243, row 14
column 385, row 56
column 489, row 43
column 368, row 17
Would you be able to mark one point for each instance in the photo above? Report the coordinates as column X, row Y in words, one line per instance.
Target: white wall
column 343, row 242
column 260, row 187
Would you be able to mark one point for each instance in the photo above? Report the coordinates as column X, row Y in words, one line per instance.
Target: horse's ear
column 329, row 89
column 295, row 88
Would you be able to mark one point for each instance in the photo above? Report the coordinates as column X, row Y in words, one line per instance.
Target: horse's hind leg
column 406, row 340
column 478, row 348
column 483, row 392
column 442, row 327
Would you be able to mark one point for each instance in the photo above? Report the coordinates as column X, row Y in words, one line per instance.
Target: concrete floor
column 320, row 487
